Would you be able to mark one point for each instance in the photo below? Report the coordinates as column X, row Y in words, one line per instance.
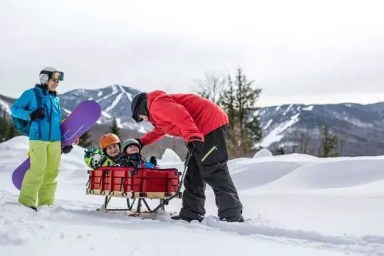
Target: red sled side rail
column 130, row 182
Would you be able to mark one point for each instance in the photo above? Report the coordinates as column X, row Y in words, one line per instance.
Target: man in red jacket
column 202, row 125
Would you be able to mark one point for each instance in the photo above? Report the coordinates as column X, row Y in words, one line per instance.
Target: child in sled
column 108, row 153
column 131, row 156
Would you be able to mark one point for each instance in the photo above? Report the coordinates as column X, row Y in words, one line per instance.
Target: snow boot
column 33, row 208
column 233, row 219
column 187, row 219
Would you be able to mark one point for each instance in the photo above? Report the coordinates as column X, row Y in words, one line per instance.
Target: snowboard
column 82, row 118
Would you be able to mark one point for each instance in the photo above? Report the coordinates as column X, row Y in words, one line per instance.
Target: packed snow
column 293, row 205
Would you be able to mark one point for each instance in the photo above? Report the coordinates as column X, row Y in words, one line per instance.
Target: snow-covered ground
column 295, row 205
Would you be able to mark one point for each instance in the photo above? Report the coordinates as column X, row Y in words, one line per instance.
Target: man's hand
column 194, row 144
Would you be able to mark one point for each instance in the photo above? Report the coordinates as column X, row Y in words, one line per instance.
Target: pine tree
column 329, row 142
column 84, row 140
column 253, row 129
column 3, row 127
column 227, row 101
column 115, row 128
column 280, row 151
column 11, row 132
column 238, row 100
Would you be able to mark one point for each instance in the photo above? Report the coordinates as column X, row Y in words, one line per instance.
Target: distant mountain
column 294, row 127
column 115, row 101
column 5, row 103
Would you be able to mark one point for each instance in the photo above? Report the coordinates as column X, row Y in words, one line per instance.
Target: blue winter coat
column 47, row 129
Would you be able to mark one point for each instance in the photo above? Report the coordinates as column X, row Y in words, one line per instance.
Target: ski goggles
column 55, row 80
column 60, row 76
column 55, row 76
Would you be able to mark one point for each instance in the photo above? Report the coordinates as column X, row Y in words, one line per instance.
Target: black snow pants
column 208, row 165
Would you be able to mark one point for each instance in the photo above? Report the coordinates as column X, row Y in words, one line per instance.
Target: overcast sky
column 296, row 51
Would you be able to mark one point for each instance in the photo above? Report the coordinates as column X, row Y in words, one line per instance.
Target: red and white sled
column 136, row 184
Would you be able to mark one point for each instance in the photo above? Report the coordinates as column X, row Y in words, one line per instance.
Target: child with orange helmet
column 107, row 154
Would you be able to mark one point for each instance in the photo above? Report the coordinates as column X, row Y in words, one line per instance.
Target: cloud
column 296, row 49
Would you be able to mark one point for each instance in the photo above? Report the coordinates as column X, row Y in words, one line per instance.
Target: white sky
column 296, row 51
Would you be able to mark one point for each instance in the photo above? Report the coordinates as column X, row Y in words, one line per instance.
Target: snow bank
column 295, row 205
column 334, row 174
column 262, row 153
column 169, row 156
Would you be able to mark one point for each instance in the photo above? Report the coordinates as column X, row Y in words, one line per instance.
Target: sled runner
column 136, row 184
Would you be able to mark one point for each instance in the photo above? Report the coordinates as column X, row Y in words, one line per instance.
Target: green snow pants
column 40, row 180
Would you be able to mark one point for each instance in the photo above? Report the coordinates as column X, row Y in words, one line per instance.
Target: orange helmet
column 108, row 139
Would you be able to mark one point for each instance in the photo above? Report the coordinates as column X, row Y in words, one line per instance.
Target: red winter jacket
column 184, row 115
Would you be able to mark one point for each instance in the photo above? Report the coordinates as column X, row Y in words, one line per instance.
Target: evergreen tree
column 11, row 132
column 84, row 140
column 238, row 100
column 280, row 151
column 329, row 142
column 253, row 129
column 3, row 127
column 227, row 101
column 115, row 128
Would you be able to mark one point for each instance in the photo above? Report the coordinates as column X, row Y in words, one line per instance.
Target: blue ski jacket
column 48, row 128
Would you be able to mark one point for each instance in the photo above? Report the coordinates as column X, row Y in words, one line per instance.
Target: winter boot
column 233, row 219
column 179, row 217
column 33, row 208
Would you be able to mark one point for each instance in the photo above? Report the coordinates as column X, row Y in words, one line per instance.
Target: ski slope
column 295, row 205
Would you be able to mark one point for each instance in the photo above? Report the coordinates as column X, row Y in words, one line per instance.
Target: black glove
column 194, row 145
column 67, row 149
column 124, row 161
column 38, row 114
column 153, row 160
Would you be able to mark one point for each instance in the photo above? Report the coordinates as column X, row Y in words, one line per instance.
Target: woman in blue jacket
column 41, row 106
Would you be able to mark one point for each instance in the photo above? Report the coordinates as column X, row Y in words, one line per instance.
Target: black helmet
column 139, row 106
column 47, row 73
column 129, row 142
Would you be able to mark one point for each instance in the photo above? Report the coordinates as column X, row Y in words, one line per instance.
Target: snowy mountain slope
column 296, row 127
column 115, row 101
column 290, row 214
